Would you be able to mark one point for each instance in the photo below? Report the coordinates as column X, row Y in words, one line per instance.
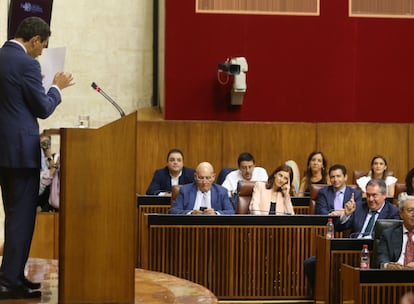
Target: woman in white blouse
column 379, row 169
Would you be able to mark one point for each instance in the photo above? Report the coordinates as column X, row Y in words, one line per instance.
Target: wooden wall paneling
column 199, row 141
column 351, row 144
column 56, row 244
column 410, row 150
column 153, row 142
column 44, row 236
column 270, row 143
column 203, row 141
column 354, row 145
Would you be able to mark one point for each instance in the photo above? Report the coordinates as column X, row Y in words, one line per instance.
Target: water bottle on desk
column 364, row 264
column 330, row 231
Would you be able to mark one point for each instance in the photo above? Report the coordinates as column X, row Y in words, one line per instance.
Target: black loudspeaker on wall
column 21, row 9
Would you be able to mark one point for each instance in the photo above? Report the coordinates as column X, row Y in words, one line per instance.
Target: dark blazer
column 326, row 197
column 357, row 219
column 26, row 101
column 161, row 180
column 390, row 245
column 185, row 201
column 22, row 101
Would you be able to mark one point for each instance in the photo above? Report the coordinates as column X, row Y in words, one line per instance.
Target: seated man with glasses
column 360, row 218
column 396, row 246
column 202, row 196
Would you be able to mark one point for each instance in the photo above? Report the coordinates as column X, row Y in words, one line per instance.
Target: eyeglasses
column 409, row 210
column 204, row 178
column 45, row 144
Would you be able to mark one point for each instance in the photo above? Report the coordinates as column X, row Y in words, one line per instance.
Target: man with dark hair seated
column 173, row 174
column 247, row 171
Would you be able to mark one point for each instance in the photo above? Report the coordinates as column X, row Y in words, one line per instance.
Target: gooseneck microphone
column 98, row 89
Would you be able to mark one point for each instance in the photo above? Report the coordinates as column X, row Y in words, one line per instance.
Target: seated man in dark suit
column 331, row 199
column 396, row 246
column 202, row 196
column 360, row 218
column 173, row 174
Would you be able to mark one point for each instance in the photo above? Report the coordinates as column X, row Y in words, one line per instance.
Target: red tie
column 409, row 249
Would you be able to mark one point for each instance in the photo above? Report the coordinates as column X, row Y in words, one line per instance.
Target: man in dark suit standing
column 202, row 196
column 22, row 101
column 396, row 246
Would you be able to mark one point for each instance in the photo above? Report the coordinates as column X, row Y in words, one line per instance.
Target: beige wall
column 109, row 42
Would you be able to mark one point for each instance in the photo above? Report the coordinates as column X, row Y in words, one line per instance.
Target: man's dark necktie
column 371, row 222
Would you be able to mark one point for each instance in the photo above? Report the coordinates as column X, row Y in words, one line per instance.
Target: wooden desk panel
column 148, row 204
column 330, row 255
column 155, row 204
column 375, row 285
column 236, row 256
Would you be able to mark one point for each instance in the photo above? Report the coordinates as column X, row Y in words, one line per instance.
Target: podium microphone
column 98, row 89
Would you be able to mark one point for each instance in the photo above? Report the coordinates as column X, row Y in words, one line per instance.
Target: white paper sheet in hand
column 51, row 62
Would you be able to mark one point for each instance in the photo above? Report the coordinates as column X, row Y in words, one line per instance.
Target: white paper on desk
column 51, row 62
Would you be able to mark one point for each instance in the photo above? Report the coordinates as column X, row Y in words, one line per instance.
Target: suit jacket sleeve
column 185, row 200
column 322, row 202
column 161, row 181
column 40, row 105
column 390, row 246
column 187, row 177
column 256, row 203
column 221, row 202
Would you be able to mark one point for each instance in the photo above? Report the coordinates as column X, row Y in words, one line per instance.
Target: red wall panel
column 320, row 68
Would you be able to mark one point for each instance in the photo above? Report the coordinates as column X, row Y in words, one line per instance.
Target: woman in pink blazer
column 273, row 197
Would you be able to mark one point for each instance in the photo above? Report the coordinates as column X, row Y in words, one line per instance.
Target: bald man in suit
column 202, row 196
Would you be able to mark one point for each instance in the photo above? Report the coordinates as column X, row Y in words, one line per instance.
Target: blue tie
column 337, row 201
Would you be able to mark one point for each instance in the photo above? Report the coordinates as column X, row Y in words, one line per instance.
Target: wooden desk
column 148, row 204
column 330, row 255
column 377, row 286
column 234, row 256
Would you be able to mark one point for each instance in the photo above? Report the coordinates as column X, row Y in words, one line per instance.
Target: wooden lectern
column 97, row 213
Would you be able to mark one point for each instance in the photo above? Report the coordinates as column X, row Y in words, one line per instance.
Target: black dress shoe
column 29, row 284
column 18, row 292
